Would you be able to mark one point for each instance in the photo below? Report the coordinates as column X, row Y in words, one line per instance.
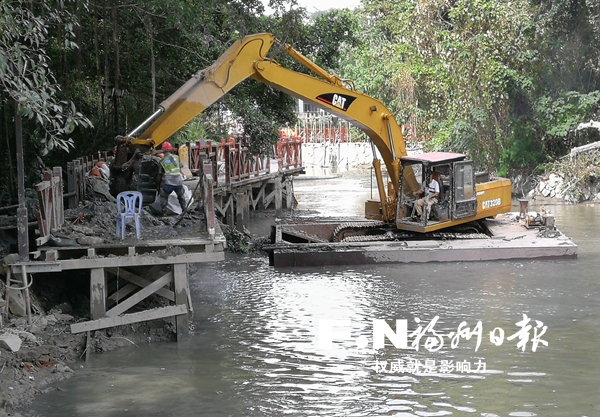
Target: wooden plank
column 141, row 282
column 121, row 293
column 124, row 261
column 97, row 293
column 140, row 295
column 147, row 315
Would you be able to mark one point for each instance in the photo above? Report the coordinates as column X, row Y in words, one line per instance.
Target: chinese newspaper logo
column 427, row 337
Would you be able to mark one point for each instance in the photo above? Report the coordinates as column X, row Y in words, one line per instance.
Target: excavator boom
column 247, row 58
column 205, row 87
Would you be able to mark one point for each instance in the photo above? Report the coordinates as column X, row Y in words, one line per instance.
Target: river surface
column 259, row 346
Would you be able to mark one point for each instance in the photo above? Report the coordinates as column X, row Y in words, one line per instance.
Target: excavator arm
column 247, row 58
column 204, row 88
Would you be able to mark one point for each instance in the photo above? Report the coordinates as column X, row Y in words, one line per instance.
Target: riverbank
column 37, row 355
column 253, row 352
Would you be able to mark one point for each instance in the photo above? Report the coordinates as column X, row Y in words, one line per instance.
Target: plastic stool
column 129, row 206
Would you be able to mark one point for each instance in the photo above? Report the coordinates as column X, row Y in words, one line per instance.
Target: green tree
column 451, row 66
column 27, row 78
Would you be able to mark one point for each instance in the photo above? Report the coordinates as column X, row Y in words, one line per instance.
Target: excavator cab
column 456, row 199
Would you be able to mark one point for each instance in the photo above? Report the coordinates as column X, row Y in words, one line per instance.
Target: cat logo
column 339, row 101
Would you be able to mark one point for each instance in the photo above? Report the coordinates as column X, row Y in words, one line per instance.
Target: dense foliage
column 504, row 81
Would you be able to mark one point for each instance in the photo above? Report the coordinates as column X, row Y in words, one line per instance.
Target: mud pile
column 97, row 219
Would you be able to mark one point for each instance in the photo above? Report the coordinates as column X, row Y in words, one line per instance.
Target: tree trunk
column 152, row 62
column 115, row 92
column 106, row 88
column 78, row 37
column 7, row 151
column 97, row 58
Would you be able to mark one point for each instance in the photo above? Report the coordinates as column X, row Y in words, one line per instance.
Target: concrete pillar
column 278, row 195
column 242, row 210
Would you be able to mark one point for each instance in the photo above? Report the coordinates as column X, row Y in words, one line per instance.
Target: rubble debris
column 572, row 179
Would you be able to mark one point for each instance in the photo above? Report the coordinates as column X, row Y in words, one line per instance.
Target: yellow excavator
column 463, row 195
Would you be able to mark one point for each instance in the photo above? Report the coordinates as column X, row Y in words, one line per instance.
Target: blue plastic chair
column 129, row 206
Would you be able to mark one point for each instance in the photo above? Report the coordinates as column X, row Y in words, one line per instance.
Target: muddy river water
column 260, row 341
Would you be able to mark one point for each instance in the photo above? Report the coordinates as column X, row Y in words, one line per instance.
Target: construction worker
column 171, row 180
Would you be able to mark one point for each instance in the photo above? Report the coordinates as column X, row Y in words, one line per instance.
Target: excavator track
column 390, row 236
column 346, row 229
column 377, row 231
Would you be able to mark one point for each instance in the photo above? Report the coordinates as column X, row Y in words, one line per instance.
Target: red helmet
column 166, row 146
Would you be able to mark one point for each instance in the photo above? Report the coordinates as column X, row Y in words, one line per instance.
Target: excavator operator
column 171, row 180
column 434, row 191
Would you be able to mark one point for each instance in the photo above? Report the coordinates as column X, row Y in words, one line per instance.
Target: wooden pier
column 241, row 183
column 124, row 274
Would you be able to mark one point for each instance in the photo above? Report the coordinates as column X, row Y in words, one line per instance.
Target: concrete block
column 11, row 342
column 16, row 303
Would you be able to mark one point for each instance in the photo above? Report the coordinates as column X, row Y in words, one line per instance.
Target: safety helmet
column 166, row 146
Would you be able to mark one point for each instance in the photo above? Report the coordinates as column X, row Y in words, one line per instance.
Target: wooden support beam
column 124, row 261
column 142, row 282
column 242, row 210
column 140, row 295
column 230, row 212
column 106, row 322
column 97, row 293
column 120, row 294
column 278, row 195
column 180, row 278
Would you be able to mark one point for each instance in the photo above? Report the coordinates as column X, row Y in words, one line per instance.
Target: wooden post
column 289, row 194
column 208, row 198
column 57, row 191
column 71, row 185
column 97, row 293
column 180, row 277
column 88, row 347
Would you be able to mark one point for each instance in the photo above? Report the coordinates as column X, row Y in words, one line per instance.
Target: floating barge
column 505, row 237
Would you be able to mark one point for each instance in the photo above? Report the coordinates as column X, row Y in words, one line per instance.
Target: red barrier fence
column 238, row 166
column 229, row 159
column 289, row 153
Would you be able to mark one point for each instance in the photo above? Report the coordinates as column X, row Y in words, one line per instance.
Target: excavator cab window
column 464, row 201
